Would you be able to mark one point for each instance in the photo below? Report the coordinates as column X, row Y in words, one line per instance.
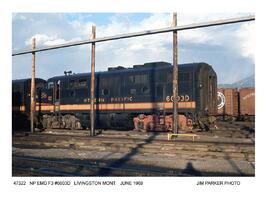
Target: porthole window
column 105, row 92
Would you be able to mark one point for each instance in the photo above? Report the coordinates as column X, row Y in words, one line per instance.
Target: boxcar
column 236, row 103
column 247, row 103
column 231, row 103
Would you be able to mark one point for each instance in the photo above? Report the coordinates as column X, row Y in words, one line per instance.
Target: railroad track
column 228, row 130
column 68, row 151
column 32, row 166
column 133, row 139
column 183, row 149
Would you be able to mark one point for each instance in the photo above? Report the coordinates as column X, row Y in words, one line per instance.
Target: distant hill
column 246, row 82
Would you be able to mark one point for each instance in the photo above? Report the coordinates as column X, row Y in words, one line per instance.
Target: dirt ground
column 227, row 151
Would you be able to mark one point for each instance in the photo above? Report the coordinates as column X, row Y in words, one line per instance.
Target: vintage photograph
column 133, row 94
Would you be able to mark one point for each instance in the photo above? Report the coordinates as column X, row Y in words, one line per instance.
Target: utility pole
column 92, row 89
column 175, row 77
column 33, row 88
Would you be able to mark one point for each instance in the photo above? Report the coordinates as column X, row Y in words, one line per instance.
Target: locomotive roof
column 136, row 68
column 26, row 80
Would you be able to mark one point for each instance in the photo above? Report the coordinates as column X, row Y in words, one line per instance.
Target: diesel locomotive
column 21, row 101
column 125, row 98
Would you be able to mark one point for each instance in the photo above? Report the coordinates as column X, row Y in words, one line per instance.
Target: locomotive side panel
column 206, row 87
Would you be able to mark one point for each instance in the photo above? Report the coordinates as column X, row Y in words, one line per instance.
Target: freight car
column 229, row 107
column 126, row 98
column 247, row 104
column 236, row 104
column 21, row 101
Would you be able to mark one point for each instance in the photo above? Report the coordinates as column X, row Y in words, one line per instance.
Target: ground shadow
column 119, row 163
column 190, row 170
column 101, row 168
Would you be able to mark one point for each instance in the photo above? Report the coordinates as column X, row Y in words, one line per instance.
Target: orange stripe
column 121, row 106
column 113, row 106
column 19, row 108
column 45, row 108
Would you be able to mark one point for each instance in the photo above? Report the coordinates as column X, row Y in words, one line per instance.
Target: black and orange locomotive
column 126, row 98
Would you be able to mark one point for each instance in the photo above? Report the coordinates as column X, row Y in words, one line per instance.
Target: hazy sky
column 229, row 49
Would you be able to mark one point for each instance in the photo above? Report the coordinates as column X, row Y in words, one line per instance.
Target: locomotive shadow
column 125, row 159
column 188, row 171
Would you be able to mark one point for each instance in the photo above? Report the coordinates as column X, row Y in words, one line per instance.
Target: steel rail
column 141, row 33
column 130, row 139
column 93, row 165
